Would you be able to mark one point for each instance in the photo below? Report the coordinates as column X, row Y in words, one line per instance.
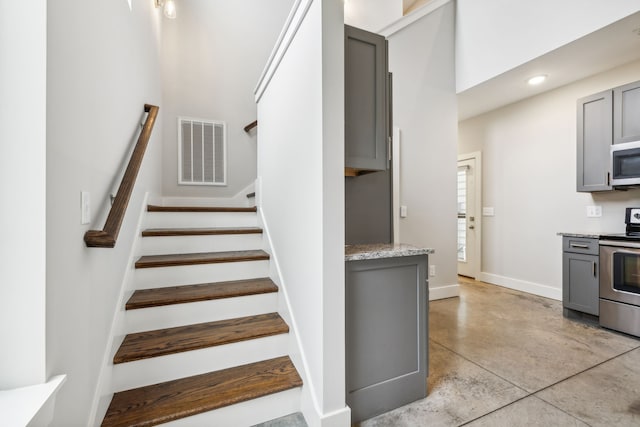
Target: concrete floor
column 499, row 357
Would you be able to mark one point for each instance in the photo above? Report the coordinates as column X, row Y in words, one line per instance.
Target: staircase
column 205, row 345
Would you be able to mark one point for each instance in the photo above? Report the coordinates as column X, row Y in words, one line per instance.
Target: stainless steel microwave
column 625, row 164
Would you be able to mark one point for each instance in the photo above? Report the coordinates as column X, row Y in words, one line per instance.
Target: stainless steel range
column 620, row 277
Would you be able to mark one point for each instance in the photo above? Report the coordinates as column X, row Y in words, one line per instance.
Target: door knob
column 471, row 227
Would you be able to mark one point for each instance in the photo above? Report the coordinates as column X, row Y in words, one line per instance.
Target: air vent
column 202, row 151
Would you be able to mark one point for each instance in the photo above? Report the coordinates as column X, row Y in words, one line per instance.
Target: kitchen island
column 387, row 297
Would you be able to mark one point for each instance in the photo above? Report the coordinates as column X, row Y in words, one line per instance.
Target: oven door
column 625, row 163
column 620, row 272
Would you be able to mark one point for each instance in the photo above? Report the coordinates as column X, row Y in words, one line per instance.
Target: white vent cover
column 202, row 152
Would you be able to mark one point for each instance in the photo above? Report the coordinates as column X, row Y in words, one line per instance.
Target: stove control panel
column 633, row 216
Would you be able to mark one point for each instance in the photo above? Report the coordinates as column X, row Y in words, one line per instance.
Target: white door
column 467, row 219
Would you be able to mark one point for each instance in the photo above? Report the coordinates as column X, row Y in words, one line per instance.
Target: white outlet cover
column 594, row 211
column 488, row 211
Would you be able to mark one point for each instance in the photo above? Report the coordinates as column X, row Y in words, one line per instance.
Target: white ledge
column 20, row 406
column 288, row 33
column 412, row 17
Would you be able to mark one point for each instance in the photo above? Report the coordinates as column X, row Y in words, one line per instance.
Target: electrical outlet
column 432, row 270
column 403, row 211
column 594, row 211
column 85, row 207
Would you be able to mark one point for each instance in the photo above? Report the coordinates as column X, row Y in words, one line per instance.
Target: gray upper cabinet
column 595, row 122
column 366, row 119
column 626, row 113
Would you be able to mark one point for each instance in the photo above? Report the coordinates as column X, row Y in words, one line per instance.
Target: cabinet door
column 626, row 113
column 386, row 302
column 580, row 282
column 365, row 100
column 595, row 134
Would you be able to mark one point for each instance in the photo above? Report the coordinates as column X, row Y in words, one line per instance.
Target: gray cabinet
column 386, row 334
column 594, row 132
column 580, row 272
column 366, row 95
column 626, row 113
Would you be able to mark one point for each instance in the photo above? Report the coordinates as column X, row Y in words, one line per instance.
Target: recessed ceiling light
column 536, row 80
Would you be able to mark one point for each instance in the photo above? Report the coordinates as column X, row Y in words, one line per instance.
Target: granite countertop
column 382, row 250
column 587, row 235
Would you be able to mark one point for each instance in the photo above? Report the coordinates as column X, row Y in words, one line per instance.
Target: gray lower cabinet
column 366, row 107
column 626, row 113
column 580, row 275
column 594, row 138
column 386, row 334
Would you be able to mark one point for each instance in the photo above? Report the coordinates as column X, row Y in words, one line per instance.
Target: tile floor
column 499, row 357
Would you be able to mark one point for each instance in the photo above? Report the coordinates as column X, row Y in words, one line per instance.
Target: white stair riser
column 190, row 244
column 146, row 319
column 145, row 278
column 246, row 414
column 199, row 219
column 166, row 368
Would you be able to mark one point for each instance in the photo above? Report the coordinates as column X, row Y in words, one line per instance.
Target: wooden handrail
column 106, row 238
column 251, row 125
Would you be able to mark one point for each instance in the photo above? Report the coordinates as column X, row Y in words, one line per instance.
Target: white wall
column 103, row 66
column 494, row 36
column 301, row 196
column 212, row 56
column 23, row 56
column 372, row 15
column 529, row 176
column 421, row 58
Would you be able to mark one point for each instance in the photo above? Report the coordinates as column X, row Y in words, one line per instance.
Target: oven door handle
column 621, row 244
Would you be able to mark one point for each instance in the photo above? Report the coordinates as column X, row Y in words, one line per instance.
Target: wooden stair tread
column 157, row 232
column 144, row 298
column 155, row 208
column 172, row 400
column 144, row 345
column 149, row 261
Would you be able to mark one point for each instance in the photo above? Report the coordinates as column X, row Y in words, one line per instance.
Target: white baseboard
column 445, row 291
column 522, row 285
column 338, row 418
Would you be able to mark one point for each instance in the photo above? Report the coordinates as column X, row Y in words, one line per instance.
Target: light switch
column 85, row 207
column 488, row 211
column 403, row 211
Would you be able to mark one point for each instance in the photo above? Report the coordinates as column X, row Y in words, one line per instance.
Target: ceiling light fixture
column 169, row 8
column 536, row 80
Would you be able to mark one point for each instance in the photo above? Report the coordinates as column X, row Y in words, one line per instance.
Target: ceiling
column 607, row 48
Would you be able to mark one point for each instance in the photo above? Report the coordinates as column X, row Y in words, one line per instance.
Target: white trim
column 103, row 387
column 309, row 400
column 31, row 405
column 339, row 418
column 288, row 33
column 522, row 285
column 412, row 17
column 442, row 292
column 395, row 158
column 477, row 157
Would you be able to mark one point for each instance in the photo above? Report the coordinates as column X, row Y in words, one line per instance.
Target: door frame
column 476, row 266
